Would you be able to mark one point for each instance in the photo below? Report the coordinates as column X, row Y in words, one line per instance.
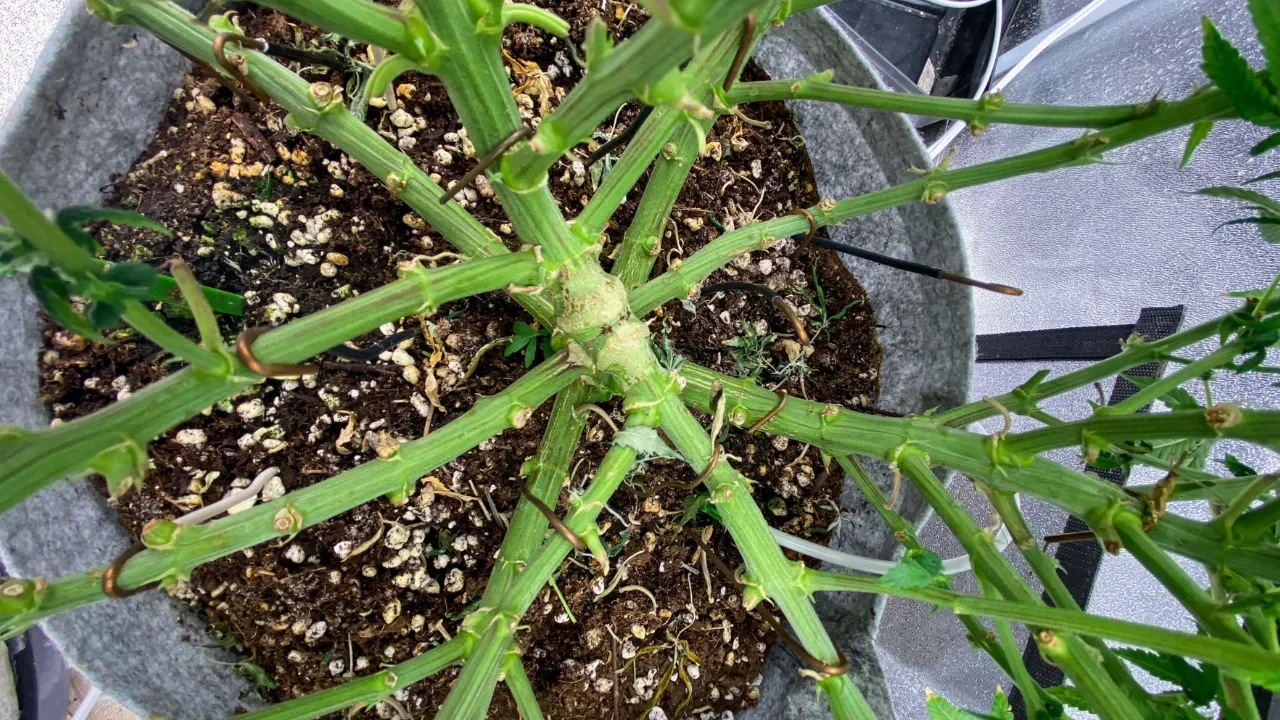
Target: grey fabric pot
column 109, row 100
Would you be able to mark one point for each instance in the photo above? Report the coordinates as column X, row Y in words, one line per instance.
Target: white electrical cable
column 208, row 512
column 874, row 566
column 86, row 704
column 1064, row 27
column 954, row 129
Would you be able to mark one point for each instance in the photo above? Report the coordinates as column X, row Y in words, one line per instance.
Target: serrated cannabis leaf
column 1271, row 142
column 646, row 441
column 1237, row 468
column 1069, row 696
column 907, row 574
column 77, row 215
column 256, row 674
column 1266, row 19
column 1230, row 71
column 525, row 337
column 1199, row 132
column 1000, row 707
column 1199, row 683
column 940, row 709
column 54, row 295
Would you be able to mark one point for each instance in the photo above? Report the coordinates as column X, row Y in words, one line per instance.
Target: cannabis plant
column 683, row 63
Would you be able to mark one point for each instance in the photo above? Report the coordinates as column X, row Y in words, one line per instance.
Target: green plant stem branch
column 153, row 328
column 1238, row 695
column 520, row 687
column 679, row 282
column 1145, row 396
column 32, row 460
column 843, row 431
column 776, row 577
column 1225, row 653
column 31, row 224
column 1253, row 525
column 340, row 128
column 365, row 691
column 198, row 544
column 904, row 531
column 472, row 69
column 492, row 627
column 1032, row 694
column 668, row 131
column 198, row 304
column 1241, row 503
column 1046, row 570
column 360, row 20
column 1180, row 585
column 644, row 58
column 528, row 524
column 1134, row 354
column 983, row 112
column 1261, row 427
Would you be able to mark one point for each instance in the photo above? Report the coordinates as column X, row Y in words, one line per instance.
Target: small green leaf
column 1179, row 399
column 1263, row 178
column 136, row 277
column 104, row 315
column 530, row 352
column 598, row 44
column 1253, row 197
column 1236, row 467
column 907, row 574
column 929, row 560
column 646, row 441
column 256, row 675
column 1069, row 696
column 940, row 709
column 77, row 215
column 1000, row 707
column 123, row 465
column 1267, row 145
column 1266, row 19
column 1229, row 70
column 1199, row 132
column 55, row 297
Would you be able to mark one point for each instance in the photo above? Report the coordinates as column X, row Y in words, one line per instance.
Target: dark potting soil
column 295, row 226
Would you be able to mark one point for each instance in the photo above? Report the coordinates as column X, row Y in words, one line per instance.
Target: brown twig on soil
column 555, row 520
column 247, row 98
column 813, row 225
column 786, row 308
column 110, row 588
column 219, row 53
column 244, row 351
column 744, row 45
column 523, row 132
column 715, row 459
column 782, row 402
column 621, row 139
column 818, row 666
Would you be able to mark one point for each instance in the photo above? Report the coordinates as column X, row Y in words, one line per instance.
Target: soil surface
column 295, row 226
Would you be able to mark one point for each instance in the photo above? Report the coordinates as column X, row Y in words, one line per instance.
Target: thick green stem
column 841, row 431
column 1237, row 694
column 333, row 123
column 32, row 225
column 399, row 473
column 776, row 577
column 521, row 689
column 1218, row 358
column 1175, row 579
column 642, row 242
column 528, row 524
column 1224, row 653
column 1257, row 426
column 1032, row 694
column 625, row 72
column 932, row 187
column 492, row 626
column 679, row 151
column 32, row 460
column 365, row 691
column 150, row 326
column 1046, row 570
column 1076, row 661
column 980, row 113
column 472, row 70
